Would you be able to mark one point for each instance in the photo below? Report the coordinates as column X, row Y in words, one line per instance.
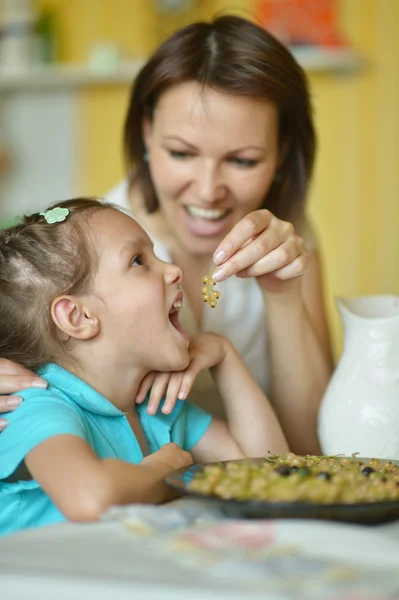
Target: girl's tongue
column 174, row 319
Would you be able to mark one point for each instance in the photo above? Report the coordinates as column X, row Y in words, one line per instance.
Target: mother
column 220, row 146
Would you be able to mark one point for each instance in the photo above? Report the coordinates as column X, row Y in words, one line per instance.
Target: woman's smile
column 206, row 222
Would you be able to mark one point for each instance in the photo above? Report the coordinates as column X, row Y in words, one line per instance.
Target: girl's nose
column 173, row 274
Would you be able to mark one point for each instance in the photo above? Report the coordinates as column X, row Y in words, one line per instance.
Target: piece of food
column 292, row 478
column 211, row 296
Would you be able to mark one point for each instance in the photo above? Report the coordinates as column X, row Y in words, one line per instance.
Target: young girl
column 86, row 304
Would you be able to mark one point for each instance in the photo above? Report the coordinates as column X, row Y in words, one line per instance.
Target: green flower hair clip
column 55, row 215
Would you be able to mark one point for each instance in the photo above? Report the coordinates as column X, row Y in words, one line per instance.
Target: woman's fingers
column 250, row 254
column 15, row 383
column 277, row 259
column 7, row 367
column 158, row 391
column 294, row 269
column 248, row 228
column 8, row 403
column 14, row 377
column 267, row 245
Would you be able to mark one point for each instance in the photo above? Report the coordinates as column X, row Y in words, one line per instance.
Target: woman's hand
column 206, row 350
column 265, row 247
column 14, row 378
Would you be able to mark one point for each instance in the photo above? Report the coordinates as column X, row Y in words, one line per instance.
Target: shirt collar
column 78, row 390
column 89, row 399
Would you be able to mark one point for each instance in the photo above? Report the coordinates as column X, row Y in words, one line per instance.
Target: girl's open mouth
column 174, row 316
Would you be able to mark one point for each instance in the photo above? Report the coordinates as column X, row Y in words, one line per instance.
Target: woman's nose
column 209, row 187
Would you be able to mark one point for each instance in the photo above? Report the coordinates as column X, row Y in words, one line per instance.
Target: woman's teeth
column 177, row 305
column 212, row 214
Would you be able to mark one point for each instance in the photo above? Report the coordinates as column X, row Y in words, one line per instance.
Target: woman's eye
column 246, row 163
column 137, row 261
column 179, row 154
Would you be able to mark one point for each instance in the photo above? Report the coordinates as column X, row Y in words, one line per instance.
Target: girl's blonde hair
column 38, row 262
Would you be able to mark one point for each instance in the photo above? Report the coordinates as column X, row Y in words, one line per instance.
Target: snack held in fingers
column 211, row 296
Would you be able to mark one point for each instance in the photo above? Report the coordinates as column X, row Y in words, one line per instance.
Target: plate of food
column 340, row 488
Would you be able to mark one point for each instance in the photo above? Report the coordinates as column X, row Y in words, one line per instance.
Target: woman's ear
column 74, row 317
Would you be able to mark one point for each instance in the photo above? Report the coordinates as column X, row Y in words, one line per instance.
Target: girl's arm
column 252, row 428
column 300, row 358
column 82, row 486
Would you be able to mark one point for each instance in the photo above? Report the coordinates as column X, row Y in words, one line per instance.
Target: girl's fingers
column 250, row 254
column 172, row 393
column 249, row 227
column 144, row 387
column 8, row 403
column 158, row 390
column 189, row 377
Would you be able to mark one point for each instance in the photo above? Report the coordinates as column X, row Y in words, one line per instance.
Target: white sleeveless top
column 240, row 316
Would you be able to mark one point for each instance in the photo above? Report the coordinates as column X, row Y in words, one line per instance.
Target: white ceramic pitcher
column 360, row 409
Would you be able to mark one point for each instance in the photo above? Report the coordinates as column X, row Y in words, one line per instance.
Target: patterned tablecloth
column 188, row 549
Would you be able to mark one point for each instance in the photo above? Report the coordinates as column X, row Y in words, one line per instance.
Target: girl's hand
column 206, row 350
column 14, row 378
column 169, row 458
column 265, row 247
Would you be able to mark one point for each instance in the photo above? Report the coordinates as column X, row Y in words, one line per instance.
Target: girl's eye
column 179, row 154
column 246, row 163
column 137, row 261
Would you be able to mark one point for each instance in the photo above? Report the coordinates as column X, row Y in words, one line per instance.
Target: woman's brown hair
column 38, row 262
column 237, row 57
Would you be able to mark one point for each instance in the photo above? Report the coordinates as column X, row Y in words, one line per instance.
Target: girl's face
column 137, row 297
column 213, row 158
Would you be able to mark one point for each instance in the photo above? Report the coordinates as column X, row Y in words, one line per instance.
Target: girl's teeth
column 177, row 305
column 206, row 213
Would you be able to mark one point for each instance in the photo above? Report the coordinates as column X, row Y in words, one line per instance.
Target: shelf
column 61, row 76
column 65, row 76
column 328, row 60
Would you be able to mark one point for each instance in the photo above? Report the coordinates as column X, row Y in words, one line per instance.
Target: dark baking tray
column 365, row 513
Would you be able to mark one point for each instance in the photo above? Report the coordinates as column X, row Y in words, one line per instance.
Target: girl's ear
column 74, row 317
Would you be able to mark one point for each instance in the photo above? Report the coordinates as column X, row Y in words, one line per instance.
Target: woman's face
column 213, row 157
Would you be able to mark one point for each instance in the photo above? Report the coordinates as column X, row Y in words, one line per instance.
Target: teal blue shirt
column 71, row 406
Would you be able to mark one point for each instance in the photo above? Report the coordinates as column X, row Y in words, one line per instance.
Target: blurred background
column 65, row 71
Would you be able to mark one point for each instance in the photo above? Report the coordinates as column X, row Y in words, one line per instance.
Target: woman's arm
column 82, row 486
column 300, row 357
column 267, row 248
